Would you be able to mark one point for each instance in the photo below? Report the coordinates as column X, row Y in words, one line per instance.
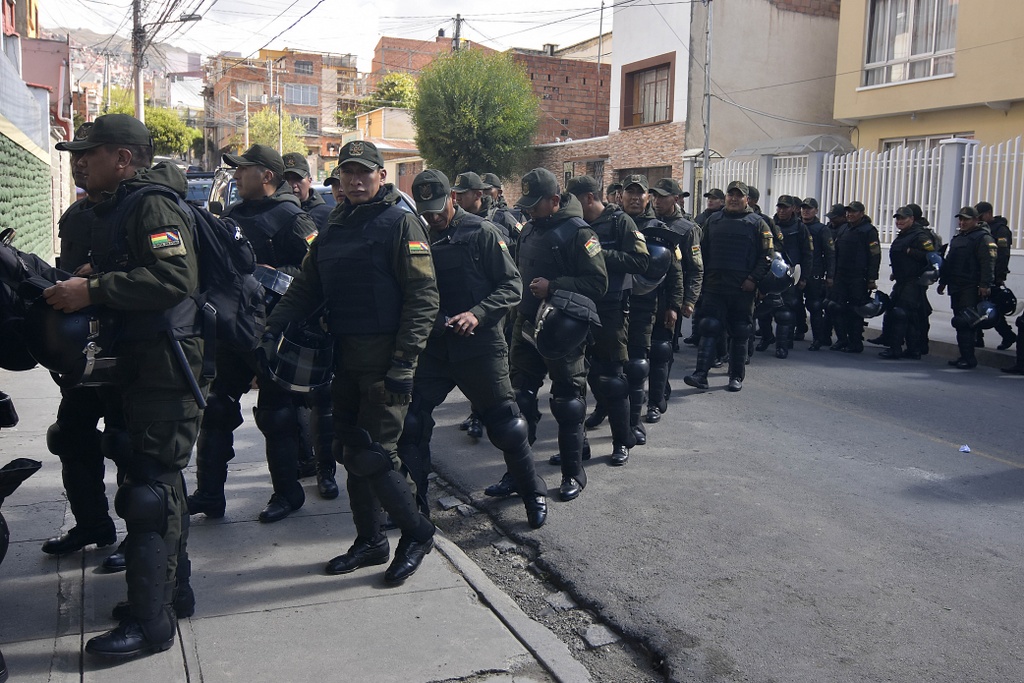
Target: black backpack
column 229, row 302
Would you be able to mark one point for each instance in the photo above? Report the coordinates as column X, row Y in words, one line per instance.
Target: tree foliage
column 170, row 134
column 394, row 90
column 263, row 129
column 477, row 112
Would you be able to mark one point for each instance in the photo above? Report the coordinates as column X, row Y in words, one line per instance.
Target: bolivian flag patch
column 501, row 243
column 165, row 239
column 311, row 236
column 593, row 247
column 419, row 248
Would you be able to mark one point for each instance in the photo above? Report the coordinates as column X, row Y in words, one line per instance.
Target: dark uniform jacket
column 908, row 253
column 624, row 248
column 735, row 246
column 970, row 260
column 858, row 254
column 1004, row 241
column 75, row 230
column 564, row 250
column 690, row 260
column 279, row 230
column 475, row 273
column 823, row 262
column 797, row 245
column 317, row 209
column 374, row 273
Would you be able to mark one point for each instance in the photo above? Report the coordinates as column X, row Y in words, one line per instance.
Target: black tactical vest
column 852, row 250
column 542, row 253
column 792, row 244
column 818, row 237
column 261, row 229
column 461, row 282
column 733, row 244
column 905, row 266
column 606, row 229
column 355, row 266
column 961, row 266
column 75, row 230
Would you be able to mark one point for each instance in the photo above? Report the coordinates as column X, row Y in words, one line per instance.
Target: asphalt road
column 822, row 525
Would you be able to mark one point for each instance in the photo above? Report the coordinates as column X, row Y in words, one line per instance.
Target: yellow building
column 917, row 71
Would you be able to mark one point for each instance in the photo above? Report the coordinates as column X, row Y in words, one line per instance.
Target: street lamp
column 246, row 103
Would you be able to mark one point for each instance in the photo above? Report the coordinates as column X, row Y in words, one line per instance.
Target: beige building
column 917, row 72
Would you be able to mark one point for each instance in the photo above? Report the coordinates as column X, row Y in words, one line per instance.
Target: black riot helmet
column 769, row 304
column 657, row 269
column 931, row 275
column 672, row 233
column 77, row 348
column 879, row 304
column 11, row 476
column 1005, row 301
column 304, row 359
column 275, row 284
column 563, row 323
column 987, row 314
column 780, row 277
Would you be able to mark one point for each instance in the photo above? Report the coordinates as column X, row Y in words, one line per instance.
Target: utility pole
column 106, row 80
column 138, row 39
column 597, row 86
column 458, row 33
column 707, row 96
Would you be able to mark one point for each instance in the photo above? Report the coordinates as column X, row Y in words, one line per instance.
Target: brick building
column 411, row 56
column 573, row 95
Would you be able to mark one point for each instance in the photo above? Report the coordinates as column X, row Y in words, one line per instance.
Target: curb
column 551, row 652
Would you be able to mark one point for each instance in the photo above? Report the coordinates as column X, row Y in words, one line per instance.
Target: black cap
column 361, row 152
column 538, row 184
column 296, row 163
column 116, row 129
column 467, row 181
column 715, row 193
column 904, row 212
column 614, row 187
column 581, row 185
column 666, row 187
column 810, row 203
column 855, row 206
column 787, row 200
column 836, row 211
column 492, row 179
column 739, row 185
column 335, row 177
column 636, row 179
column 982, row 207
column 753, row 193
column 967, row 212
column 431, row 189
column 257, row 155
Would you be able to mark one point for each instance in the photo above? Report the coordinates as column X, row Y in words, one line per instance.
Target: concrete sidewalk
column 265, row 609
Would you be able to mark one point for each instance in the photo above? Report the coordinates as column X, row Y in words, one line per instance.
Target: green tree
column 395, row 89
column 170, row 134
column 263, row 129
column 475, row 111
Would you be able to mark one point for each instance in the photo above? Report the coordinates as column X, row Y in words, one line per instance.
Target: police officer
column 148, row 271
column 858, row 256
column 478, row 284
column 819, row 279
column 1000, row 229
column 678, row 296
column 493, row 182
column 279, row 230
column 643, row 308
column 625, row 254
column 737, row 250
column 908, row 258
column 614, row 194
column 296, row 174
column 371, row 269
column 557, row 251
column 715, row 203
column 969, row 272
column 798, row 250
column 333, row 181
column 74, row 437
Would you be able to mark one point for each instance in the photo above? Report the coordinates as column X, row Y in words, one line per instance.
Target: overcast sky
column 339, row 26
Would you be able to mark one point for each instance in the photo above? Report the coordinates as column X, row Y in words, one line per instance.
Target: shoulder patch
column 419, row 249
column 640, row 236
column 593, row 247
column 501, row 243
column 311, row 236
column 695, row 250
column 1003, row 242
column 678, row 254
column 165, row 239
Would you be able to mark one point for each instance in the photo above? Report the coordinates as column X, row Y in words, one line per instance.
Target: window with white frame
column 310, row 123
column 303, row 67
column 909, row 40
column 921, row 143
column 304, row 95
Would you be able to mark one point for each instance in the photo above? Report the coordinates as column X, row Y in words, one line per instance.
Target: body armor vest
column 542, row 254
column 905, row 266
column 76, row 229
column 852, row 250
column 734, row 243
column 818, row 237
column 261, row 229
column 961, row 265
column 359, row 285
column 461, row 283
column 792, row 245
column 606, row 229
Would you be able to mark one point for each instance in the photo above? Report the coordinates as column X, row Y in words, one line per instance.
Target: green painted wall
column 25, row 198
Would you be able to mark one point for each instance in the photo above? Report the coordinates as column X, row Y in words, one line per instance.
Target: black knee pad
column 834, row 308
column 222, row 412
column 710, row 327
column 527, row 402
column 62, row 441
column 142, row 506
column 741, row 331
column 280, row 420
column 510, row 434
column 568, row 410
column 897, row 314
column 612, row 387
column 960, row 322
column 116, row 444
column 368, row 462
column 815, row 305
column 661, row 351
column 784, row 316
column 637, row 370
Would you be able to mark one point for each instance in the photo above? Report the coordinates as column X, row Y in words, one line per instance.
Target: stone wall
column 25, row 203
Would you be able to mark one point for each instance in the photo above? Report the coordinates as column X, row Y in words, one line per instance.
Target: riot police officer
column 371, row 270
column 858, row 256
column 1003, row 236
column 908, row 258
column 737, row 251
column 625, row 254
column 296, row 174
column 819, row 279
column 557, row 252
column 279, row 230
column 968, row 271
column 798, row 250
column 477, row 284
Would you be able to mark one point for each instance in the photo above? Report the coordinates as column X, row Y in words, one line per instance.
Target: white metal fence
column 721, row 172
column 789, row 176
column 995, row 174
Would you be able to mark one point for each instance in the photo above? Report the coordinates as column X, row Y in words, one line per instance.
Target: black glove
column 398, row 382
